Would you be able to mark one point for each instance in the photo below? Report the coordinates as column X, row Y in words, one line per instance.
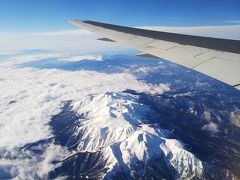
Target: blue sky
column 40, row 24
column 47, row 15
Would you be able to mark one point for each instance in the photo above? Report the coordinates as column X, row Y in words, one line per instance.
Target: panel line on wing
column 202, row 62
column 199, row 54
column 171, row 48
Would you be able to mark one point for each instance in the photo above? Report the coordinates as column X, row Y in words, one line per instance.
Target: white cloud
column 37, row 95
column 52, row 153
column 236, row 21
column 32, row 167
column 211, row 127
column 30, row 97
column 229, row 32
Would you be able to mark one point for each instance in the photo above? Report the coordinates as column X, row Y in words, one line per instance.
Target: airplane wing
column 218, row 58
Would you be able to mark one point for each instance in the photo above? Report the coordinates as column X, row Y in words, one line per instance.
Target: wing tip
column 71, row 21
column 76, row 21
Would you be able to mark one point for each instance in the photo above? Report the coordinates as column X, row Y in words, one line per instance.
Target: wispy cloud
column 80, row 41
column 228, row 32
column 211, row 127
column 235, row 21
column 84, row 41
column 74, row 32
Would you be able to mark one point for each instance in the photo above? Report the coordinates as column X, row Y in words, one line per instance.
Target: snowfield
column 117, row 121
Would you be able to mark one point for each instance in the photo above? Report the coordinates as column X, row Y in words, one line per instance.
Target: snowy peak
column 113, row 106
column 115, row 127
column 82, row 57
column 107, row 118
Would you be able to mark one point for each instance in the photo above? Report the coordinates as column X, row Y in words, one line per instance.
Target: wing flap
column 227, row 71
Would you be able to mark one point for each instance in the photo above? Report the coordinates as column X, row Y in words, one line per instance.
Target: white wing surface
column 218, row 58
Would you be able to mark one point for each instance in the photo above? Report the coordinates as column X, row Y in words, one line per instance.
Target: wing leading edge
column 218, row 58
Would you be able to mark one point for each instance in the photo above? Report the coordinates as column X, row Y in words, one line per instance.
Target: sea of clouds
column 31, row 96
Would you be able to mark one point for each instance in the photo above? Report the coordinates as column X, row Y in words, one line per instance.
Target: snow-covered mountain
column 111, row 137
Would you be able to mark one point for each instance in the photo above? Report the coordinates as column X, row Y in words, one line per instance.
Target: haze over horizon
column 42, row 24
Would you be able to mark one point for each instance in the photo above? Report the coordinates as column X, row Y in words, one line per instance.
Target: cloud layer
column 79, row 40
column 228, row 32
column 66, row 40
column 29, row 97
